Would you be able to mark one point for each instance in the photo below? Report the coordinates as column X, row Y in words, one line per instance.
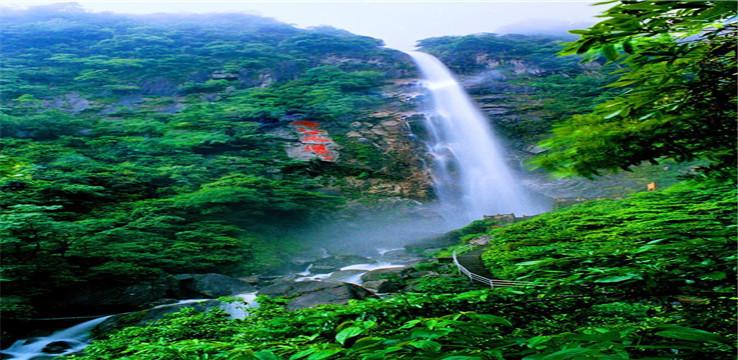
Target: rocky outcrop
column 310, row 293
column 383, row 286
column 72, row 102
column 312, row 142
column 333, row 263
column 380, row 274
column 93, row 299
column 190, row 286
column 158, row 86
column 397, row 160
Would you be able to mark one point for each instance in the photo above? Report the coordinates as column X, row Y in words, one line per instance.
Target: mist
column 399, row 24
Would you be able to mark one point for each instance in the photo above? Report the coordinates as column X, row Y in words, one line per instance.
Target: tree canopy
column 140, row 146
column 678, row 63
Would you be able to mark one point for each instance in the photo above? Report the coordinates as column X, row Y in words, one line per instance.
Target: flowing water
column 77, row 337
column 65, row 341
column 471, row 175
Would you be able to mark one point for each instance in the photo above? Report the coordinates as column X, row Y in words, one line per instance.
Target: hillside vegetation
column 651, row 276
column 135, row 147
column 618, row 279
column 138, row 147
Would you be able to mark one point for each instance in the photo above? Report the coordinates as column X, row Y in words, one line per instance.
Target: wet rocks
column 334, row 263
column 383, row 285
column 188, row 286
column 98, row 299
column 379, row 274
column 310, row 293
column 57, row 347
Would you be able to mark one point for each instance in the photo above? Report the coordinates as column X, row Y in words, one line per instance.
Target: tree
column 678, row 102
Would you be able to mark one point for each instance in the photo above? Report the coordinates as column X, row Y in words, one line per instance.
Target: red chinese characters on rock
column 312, row 139
column 306, row 123
column 311, row 132
column 316, row 149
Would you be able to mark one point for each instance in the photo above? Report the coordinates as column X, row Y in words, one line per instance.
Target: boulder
column 401, row 256
column 333, row 263
column 350, row 276
column 57, row 347
column 323, row 269
column 379, row 274
column 383, row 285
column 189, row 286
column 100, row 299
column 310, row 293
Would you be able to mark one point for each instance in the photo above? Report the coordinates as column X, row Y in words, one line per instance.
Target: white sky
column 398, row 23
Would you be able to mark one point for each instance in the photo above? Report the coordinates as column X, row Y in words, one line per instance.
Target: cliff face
column 374, row 156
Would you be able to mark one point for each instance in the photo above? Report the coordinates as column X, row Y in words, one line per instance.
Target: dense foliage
column 139, row 146
column 135, row 147
column 644, row 277
column 678, row 77
column 470, row 54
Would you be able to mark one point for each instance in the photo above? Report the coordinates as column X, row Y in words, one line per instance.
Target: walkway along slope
column 468, row 260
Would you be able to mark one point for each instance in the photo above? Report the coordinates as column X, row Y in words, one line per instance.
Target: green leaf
column 573, row 353
column 628, row 47
column 715, row 275
column 367, row 342
column 531, row 262
column 537, row 340
column 428, row 346
column 323, row 354
column 430, row 334
column 691, row 334
column 586, row 45
column 618, row 278
column 462, row 357
column 348, row 333
column 610, row 52
column 611, row 335
column 490, row 319
column 266, row 355
column 614, row 114
column 301, row 354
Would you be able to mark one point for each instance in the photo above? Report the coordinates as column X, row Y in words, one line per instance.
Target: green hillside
column 647, row 277
column 139, row 146
column 135, row 148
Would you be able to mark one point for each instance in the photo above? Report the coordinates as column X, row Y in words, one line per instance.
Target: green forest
column 135, row 148
column 166, row 167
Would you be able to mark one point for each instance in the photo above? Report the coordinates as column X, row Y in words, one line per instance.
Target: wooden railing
column 492, row 283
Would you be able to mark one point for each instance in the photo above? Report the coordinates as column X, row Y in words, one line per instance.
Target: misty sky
column 398, row 23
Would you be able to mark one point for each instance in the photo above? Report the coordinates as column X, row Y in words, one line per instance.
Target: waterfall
column 470, row 173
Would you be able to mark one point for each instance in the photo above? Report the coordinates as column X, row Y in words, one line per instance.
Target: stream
column 62, row 342
column 74, row 339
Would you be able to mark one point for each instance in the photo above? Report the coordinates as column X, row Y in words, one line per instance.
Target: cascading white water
column 77, row 337
column 72, row 340
column 470, row 174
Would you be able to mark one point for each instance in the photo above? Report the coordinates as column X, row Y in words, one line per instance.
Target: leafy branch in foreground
column 678, row 80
